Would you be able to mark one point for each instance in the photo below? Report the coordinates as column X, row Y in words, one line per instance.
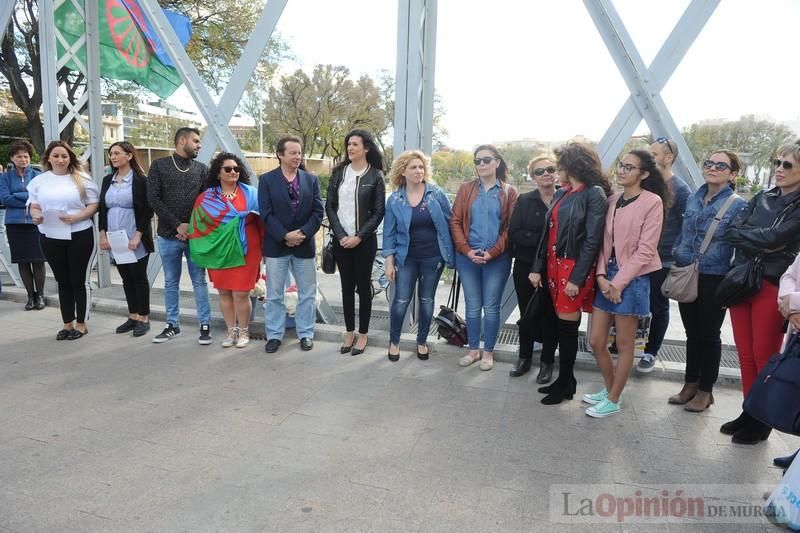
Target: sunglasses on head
column 716, row 165
column 544, row 170
column 787, row 165
column 484, row 160
column 228, row 170
column 664, row 140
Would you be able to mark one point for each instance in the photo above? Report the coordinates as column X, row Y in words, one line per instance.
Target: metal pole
column 401, row 76
column 428, row 75
column 47, row 58
column 6, row 10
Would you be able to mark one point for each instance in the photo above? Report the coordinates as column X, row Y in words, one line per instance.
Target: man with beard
column 172, row 188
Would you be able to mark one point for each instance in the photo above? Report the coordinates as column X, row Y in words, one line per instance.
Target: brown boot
column 701, row 401
column 687, row 393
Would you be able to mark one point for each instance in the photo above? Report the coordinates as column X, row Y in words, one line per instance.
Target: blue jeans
column 304, row 271
column 424, row 275
column 483, row 291
column 171, row 250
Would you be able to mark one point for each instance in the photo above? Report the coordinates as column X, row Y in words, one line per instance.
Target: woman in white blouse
column 62, row 203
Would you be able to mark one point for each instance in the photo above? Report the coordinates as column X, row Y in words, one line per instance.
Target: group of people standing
column 573, row 244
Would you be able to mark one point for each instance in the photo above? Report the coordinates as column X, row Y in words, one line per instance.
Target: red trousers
column 757, row 332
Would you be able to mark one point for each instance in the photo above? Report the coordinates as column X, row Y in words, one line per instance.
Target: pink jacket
column 790, row 286
column 636, row 232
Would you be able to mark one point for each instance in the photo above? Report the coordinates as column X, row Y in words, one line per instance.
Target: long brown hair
column 128, row 148
column 580, row 161
column 74, row 168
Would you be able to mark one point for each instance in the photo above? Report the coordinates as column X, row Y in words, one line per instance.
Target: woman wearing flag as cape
column 225, row 235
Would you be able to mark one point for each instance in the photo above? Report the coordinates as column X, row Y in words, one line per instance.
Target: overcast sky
column 512, row 69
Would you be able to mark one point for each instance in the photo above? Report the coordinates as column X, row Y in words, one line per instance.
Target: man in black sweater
column 173, row 185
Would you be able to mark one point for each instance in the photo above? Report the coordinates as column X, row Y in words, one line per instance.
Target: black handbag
column 328, row 261
column 774, row 398
column 534, row 316
column 449, row 325
column 741, row 282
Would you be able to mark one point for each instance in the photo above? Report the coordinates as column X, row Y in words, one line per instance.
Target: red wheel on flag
column 126, row 35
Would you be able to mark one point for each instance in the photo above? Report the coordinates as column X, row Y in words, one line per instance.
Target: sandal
column 469, row 359
column 63, row 334
column 76, row 334
column 244, row 338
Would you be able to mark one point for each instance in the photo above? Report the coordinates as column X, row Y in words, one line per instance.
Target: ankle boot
column 31, row 303
column 521, row 368
column 701, row 401
column 560, row 392
column 545, row 373
column 754, row 432
column 39, row 304
column 729, row 428
column 687, row 393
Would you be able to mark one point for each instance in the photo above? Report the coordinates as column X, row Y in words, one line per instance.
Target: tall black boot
column 564, row 386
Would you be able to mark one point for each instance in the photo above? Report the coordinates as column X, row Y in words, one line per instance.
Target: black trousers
column 702, row 320
column 355, row 272
column 71, row 262
column 524, row 290
column 136, row 286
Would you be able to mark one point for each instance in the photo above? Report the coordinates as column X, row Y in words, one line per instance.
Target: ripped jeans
column 423, row 274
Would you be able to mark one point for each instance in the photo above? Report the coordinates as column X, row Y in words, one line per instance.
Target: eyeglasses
column 543, row 171
column 719, row 166
column 664, row 140
column 785, row 164
column 484, row 160
column 228, row 170
column 624, row 167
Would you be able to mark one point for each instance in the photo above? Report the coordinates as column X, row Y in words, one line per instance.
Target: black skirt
column 23, row 240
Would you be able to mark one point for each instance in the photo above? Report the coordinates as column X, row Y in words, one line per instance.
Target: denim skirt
column 635, row 297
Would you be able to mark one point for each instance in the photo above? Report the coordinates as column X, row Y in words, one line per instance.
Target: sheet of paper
column 53, row 227
column 119, row 247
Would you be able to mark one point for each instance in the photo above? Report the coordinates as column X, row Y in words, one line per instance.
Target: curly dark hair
column 216, row 167
column 655, row 182
column 581, row 162
column 374, row 154
column 20, row 146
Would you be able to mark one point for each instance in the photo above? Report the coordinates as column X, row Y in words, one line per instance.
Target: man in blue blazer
column 290, row 203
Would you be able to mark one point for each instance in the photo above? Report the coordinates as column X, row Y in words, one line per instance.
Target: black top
column 172, row 192
column 423, row 240
column 527, row 226
column 621, row 202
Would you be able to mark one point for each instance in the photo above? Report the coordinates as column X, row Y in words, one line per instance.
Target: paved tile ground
column 111, row 433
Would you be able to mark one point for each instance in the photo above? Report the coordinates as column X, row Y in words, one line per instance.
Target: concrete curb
column 505, row 353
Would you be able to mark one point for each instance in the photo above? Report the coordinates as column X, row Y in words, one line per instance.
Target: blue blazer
column 273, row 203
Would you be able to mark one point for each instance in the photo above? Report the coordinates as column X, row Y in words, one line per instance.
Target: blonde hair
column 401, row 162
column 538, row 158
column 792, row 149
column 75, row 167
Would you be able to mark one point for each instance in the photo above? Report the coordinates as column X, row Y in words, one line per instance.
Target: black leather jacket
column 581, row 221
column 370, row 203
column 752, row 232
column 527, row 225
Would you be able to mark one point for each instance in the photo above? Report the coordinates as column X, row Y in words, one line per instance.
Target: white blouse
column 53, row 192
column 347, row 201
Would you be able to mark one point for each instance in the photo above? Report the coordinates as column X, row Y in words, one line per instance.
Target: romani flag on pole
column 129, row 48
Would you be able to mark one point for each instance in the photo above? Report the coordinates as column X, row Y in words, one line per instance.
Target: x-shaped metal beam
column 645, row 84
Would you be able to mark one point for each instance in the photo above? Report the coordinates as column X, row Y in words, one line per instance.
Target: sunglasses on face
column 484, row 160
column 719, row 166
column 625, row 167
column 543, row 171
column 787, row 165
column 228, row 170
column 664, row 140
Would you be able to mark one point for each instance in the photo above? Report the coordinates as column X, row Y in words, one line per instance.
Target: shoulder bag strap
column 712, row 228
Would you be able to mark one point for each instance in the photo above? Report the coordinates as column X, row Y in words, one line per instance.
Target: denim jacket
column 696, row 220
column 14, row 194
column 397, row 222
column 673, row 220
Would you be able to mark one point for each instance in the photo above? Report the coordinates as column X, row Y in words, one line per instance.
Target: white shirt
column 59, row 193
column 347, row 201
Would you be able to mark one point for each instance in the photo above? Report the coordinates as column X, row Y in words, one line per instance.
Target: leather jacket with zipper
column 581, row 221
column 370, row 203
column 755, row 232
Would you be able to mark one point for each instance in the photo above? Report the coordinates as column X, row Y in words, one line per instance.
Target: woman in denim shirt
column 416, row 244
column 703, row 318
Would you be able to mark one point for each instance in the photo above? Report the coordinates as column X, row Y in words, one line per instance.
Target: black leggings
column 136, row 286
column 703, row 320
column 32, row 274
column 71, row 262
column 355, row 271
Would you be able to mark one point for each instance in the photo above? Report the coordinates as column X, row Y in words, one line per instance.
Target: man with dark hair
column 172, row 187
column 290, row 203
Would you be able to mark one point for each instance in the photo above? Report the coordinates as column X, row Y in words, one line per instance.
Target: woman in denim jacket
column 703, row 318
column 416, row 244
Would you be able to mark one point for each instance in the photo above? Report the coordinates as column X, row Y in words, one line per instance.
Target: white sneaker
column 230, row 340
column 244, row 338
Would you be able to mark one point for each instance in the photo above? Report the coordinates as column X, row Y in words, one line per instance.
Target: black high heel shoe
column 423, row 356
column 357, row 351
column 346, row 349
column 394, row 357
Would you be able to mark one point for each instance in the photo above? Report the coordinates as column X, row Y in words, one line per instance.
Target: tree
column 457, row 165
column 220, row 29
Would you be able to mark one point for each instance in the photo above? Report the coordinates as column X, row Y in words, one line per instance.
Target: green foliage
column 452, row 165
column 324, row 180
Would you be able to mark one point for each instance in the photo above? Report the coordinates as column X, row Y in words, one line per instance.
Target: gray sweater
column 172, row 193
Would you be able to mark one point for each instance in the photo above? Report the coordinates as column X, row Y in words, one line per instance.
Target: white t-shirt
column 59, row 193
column 347, row 201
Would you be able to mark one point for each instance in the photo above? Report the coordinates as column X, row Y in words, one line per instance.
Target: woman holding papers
column 62, row 202
column 225, row 236
column 124, row 219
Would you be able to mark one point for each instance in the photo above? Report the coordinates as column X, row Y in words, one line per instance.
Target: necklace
column 179, row 169
column 230, row 195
